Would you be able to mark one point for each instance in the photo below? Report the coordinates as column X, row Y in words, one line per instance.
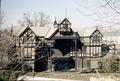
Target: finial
column 66, row 12
column 55, row 23
column 96, row 27
column 55, row 18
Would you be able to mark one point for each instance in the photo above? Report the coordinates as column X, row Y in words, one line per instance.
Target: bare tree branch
column 108, row 3
column 37, row 19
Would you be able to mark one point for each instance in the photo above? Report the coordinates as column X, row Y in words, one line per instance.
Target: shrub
column 8, row 75
column 109, row 63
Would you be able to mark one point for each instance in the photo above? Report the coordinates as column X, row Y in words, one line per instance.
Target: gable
column 64, row 26
column 27, row 36
column 18, row 30
column 26, row 32
column 85, row 32
column 38, row 31
column 65, row 21
column 69, row 35
column 96, row 37
column 96, row 33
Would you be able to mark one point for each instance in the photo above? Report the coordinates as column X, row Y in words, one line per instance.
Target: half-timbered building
column 56, row 47
column 92, row 40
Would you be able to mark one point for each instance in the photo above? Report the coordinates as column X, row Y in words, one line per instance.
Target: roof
column 51, row 31
column 17, row 30
column 111, row 33
column 65, row 20
column 39, row 31
column 48, row 31
column 84, row 32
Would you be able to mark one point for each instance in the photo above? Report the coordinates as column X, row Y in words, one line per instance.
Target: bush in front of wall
column 9, row 75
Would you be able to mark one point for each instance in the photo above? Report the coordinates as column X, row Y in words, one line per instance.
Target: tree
column 5, row 41
column 37, row 19
column 105, row 11
column 111, row 13
column 1, row 20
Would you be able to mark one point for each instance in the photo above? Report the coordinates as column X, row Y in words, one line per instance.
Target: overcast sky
column 77, row 10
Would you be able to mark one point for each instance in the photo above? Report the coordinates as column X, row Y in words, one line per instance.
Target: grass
column 11, row 75
column 74, row 75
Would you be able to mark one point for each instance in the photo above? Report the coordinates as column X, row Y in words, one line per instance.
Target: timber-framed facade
column 56, row 48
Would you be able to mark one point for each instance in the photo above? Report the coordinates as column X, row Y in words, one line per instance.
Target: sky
column 76, row 10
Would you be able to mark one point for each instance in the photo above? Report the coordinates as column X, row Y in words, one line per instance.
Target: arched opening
column 63, row 64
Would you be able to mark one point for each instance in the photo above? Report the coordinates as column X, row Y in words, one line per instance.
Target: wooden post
column 82, row 62
column 90, row 46
column 49, row 61
column 89, row 66
column 33, row 70
column 23, row 64
column 76, row 56
column 22, row 51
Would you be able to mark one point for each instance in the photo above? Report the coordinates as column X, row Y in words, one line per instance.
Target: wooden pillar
column 23, row 64
column 76, row 56
column 33, row 58
column 22, row 59
column 82, row 55
column 49, row 60
column 33, row 67
column 90, row 48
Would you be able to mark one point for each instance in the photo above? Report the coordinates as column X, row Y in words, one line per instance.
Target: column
column 76, row 56
column 49, row 61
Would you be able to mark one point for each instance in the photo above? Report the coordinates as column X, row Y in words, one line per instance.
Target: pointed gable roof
column 66, row 21
column 22, row 31
column 17, row 30
column 46, row 32
column 84, row 32
column 40, row 31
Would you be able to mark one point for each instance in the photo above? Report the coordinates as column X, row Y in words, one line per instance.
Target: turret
column 55, row 24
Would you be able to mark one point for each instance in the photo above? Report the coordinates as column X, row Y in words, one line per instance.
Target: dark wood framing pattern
column 92, row 44
column 27, row 42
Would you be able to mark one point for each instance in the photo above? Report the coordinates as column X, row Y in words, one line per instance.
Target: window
column 96, row 39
